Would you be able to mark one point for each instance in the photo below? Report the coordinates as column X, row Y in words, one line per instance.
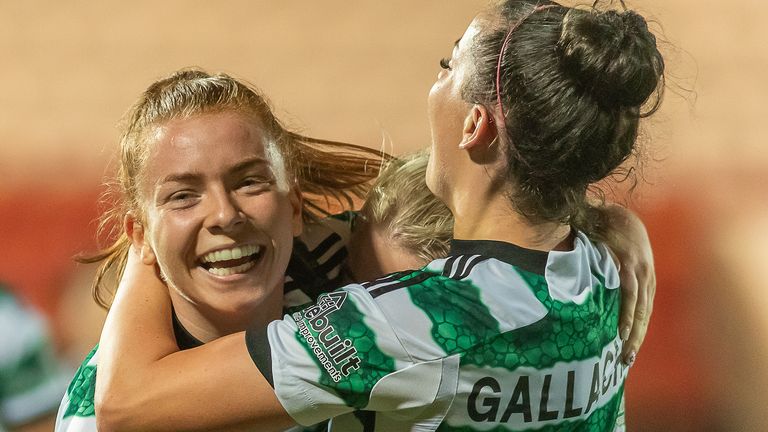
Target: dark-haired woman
column 516, row 329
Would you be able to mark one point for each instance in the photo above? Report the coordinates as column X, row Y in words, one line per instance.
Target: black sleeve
column 258, row 347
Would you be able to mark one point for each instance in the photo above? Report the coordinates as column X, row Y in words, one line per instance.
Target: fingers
column 639, row 329
column 616, row 259
column 629, row 297
column 646, row 289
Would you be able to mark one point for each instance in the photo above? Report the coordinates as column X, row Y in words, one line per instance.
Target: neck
column 206, row 323
column 383, row 254
column 485, row 213
column 362, row 267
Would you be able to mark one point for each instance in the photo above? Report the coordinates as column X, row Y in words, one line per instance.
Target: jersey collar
column 184, row 338
column 534, row 261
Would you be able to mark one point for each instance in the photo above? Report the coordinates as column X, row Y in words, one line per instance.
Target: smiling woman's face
column 220, row 215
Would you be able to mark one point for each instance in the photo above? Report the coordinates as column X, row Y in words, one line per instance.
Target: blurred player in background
column 31, row 377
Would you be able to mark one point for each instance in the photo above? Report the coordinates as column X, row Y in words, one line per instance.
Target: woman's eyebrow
column 187, row 177
column 249, row 163
column 192, row 177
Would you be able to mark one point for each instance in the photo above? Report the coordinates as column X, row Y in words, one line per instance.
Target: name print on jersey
column 585, row 386
column 337, row 355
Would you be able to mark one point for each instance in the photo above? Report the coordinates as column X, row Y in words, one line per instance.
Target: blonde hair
column 329, row 174
column 401, row 204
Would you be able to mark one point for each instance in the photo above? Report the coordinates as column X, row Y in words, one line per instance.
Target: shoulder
column 79, row 398
column 572, row 275
column 432, row 310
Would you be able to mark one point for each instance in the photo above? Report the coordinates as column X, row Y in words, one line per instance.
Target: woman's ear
column 134, row 229
column 478, row 128
column 296, row 204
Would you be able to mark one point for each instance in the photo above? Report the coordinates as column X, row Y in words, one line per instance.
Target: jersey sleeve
column 77, row 412
column 32, row 379
column 339, row 355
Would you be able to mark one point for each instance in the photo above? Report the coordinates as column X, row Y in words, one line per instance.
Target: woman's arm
column 628, row 239
column 144, row 381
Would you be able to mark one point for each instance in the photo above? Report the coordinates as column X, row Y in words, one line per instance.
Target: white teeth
column 236, row 253
column 232, row 270
column 230, row 254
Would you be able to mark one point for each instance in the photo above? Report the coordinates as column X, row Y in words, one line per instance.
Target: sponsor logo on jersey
column 337, row 355
column 527, row 397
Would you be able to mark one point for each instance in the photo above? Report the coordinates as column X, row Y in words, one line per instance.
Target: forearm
column 193, row 390
column 135, row 334
column 145, row 384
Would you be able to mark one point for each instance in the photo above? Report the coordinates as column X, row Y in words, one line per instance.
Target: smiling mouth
column 231, row 261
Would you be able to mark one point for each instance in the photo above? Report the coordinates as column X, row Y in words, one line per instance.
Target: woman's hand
column 628, row 239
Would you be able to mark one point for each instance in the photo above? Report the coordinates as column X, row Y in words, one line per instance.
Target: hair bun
column 612, row 55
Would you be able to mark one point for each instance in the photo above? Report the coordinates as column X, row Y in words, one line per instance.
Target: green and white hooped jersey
column 31, row 378
column 492, row 338
column 315, row 268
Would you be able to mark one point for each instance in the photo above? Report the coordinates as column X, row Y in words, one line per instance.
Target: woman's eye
column 182, row 198
column 255, row 183
column 445, row 63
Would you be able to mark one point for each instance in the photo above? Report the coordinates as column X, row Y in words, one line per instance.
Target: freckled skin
column 209, row 185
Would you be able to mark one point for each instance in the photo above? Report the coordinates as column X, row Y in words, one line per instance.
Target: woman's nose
column 225, row 213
